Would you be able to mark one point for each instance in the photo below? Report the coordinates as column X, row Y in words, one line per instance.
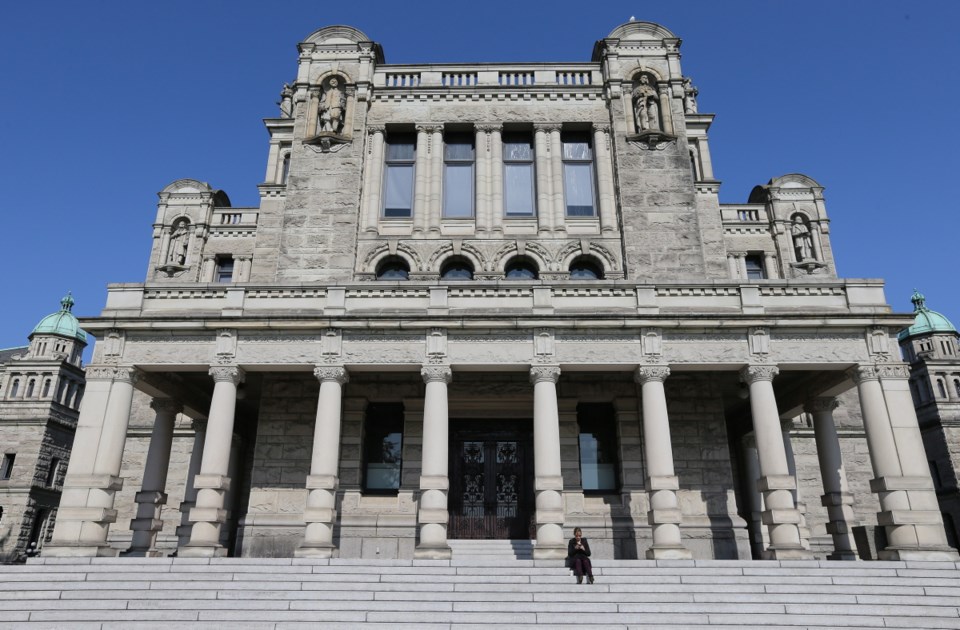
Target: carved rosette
column 544, row 374
column 893, row 371
column 862, row 373
column 822, row 404
column 331, row 373
column 753, row 373
column 227, row 374
column 166, row 405
column 436, row 373
column 647, row 373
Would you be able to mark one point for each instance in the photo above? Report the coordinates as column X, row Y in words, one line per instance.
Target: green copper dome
column 925, row 321
column 61, row 323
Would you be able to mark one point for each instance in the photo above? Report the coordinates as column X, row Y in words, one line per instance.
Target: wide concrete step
column 273, row 594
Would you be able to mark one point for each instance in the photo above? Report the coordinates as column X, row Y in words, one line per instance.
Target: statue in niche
column 179, row 242
column 286, row 101
column 646, row 105
column 332, row 107
column 802, row 239
column 690, row 93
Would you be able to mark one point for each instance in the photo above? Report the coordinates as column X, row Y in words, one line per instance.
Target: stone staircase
column 474, row 590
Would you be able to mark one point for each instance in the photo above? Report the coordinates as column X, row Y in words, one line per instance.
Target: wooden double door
column 491, row 479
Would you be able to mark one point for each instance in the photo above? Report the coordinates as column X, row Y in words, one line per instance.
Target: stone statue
column 689, row 97
column 179, row 242
column 646, row 105
column 286, row 101
column 332, row 108
column 802, row 240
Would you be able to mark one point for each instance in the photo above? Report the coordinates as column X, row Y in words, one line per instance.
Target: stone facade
column 496, row 301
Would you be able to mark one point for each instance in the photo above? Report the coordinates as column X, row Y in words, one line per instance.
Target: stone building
column 41, row 386
column 496, row 301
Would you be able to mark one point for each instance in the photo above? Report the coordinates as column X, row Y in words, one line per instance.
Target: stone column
column 909, row 512
column 662, row 483
column 770, row 265
column 732, row 266
column 152, row 496
column 434, row 480
column 786, row 426
column 606, row 193
column 544, row 185
column 496, row 177
column 92, row 480
column 421, row 182
column 837, row 497
column 213, row 481
column 548, row 484
column 556, row 167
column 482, row 179
column 436, row 177
column 320, row 513
column 742, row 266
column 780, row 515
column 666, row 112
column 374, row 178
column 189, row 492
column 817, row 245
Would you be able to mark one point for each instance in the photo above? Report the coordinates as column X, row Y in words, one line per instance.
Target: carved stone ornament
column 227, row 374
column 436, row 373
column 488, row 127
column 753, row 373
column 651, row 140
column 822, row 404
column 326, row 143
column 861, row 373
column 166, row 405
column 893, row 371
column 647, row 373
column 759, row 341
column 331, row 373
column 544, row 373
column 111, row 373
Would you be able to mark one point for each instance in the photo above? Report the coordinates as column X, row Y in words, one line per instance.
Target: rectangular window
column 458, row 157
column 6, row 467
column 398, row 175
column 754, row 264
column 578, row 177
column 224, row 271
column 598, row 448
column 383, row 448
column 518, row 176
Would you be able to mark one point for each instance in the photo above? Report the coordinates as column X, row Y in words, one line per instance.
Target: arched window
column 956, row 386
column 31, row 383
column 693, row 164
column 521, row 268
column 46, row 388
column 285, row 168
column 456, row 268
column 940, row 388
column 15, row 387
column 585, row 268
column 393, row 268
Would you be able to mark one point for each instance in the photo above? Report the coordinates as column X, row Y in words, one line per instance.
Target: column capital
column 544, row 373
column 123, row 373
column 331, row 373
column 647, row 373
column 862, row 373
column 436, row 373
column 168, row 405
column 893, row 371
column 752, row 373
column 824, row 403
column 546, row 127
column 374, row 129
column 226, row 374
column 488, row 126
column 601, row 127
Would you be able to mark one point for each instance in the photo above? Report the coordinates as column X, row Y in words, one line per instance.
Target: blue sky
column 104, row 103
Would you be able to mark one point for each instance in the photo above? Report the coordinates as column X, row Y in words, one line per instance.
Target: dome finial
column 66, row 304
column 919, row 302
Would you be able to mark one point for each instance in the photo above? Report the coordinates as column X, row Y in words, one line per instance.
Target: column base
column 543, row 552
column 935, row 554
column 315, row 550
column 202, row 551
column 843, row 555
column 78, row 550
column 798, row 553
column 433, row 553
column 668, row 553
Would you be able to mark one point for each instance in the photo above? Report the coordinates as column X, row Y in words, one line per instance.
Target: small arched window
column 956, row 386
column 521, row 268
column 585, row 268
column 940, row 388
column 31, row 383
column 393, row 268
column 46, row 388
column 456, row 268
column 15, row 388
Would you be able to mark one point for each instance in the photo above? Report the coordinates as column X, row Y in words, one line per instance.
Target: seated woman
column 578, row 550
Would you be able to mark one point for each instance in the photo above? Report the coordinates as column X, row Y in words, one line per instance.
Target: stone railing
column 579, row 75
column 744, row 213
column 229, row 218
column 496, row 300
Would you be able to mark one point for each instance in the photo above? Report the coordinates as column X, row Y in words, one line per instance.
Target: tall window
column 383, row 447
column 578, row 175
column 398, row 176
column 598, row 447
column 458, row 156
column 53, row 472
column 754, row 264
column 15, row 388
column 6, row 467
column 224, row 271
column 518, row 178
